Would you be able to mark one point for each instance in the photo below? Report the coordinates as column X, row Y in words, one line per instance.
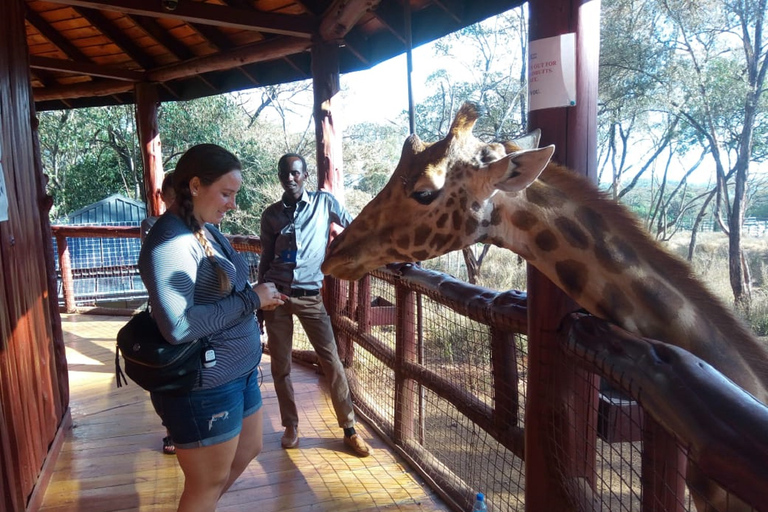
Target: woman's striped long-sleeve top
column 187, row 303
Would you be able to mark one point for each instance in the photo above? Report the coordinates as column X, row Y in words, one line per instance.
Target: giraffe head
column 437, row 200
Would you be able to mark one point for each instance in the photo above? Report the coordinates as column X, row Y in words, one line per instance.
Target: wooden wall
column 33, row 380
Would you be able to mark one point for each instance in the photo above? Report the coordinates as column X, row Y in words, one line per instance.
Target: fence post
column 405, row 351
column 335, row 293
column 67, row 281
column 663, row 469
column 363, row 313
column 505, row 378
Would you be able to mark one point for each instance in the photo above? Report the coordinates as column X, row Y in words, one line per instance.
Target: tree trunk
column 473, row 268
column 697, row 223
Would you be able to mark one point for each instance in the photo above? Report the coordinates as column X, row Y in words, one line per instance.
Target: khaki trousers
column 317, row 324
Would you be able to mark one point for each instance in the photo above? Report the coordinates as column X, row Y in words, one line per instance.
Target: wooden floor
column 111, row 458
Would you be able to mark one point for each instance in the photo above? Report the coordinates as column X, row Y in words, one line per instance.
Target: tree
column 89, row 154
column 724, row 57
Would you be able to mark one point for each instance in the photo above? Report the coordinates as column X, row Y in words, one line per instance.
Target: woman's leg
column 248, row 447
column 206, row 474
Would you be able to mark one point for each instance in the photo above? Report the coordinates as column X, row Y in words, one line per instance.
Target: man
column 294, row 236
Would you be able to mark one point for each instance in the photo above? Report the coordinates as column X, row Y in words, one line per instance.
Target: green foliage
column 93, row 177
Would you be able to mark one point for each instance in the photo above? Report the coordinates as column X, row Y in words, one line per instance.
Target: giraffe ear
column 529, row 140
column 523, row 167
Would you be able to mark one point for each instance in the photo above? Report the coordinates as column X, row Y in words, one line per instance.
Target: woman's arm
column 173, row 266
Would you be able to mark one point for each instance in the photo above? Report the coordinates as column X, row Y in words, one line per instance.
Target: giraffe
column 459, row 191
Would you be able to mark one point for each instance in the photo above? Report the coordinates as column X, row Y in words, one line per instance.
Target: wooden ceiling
column 89, row 53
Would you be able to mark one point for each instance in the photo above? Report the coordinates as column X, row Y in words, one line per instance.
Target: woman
column 198, row 287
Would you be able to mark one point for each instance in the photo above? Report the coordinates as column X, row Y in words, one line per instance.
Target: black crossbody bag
column 152, row 362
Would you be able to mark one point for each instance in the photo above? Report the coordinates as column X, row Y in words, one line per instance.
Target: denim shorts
column 206, row 417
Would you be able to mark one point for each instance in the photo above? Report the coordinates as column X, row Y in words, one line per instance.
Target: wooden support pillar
column 325, row 76
column 406, row 351
column 65, row 267
column 147, row 104
column 561, row 407
column 59, row 367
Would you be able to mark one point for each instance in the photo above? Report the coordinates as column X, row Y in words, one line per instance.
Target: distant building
column 115, row 210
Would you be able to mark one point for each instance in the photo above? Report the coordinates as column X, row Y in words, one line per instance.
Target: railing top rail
column 503, row 309
column 96, row 231
column 724, row 427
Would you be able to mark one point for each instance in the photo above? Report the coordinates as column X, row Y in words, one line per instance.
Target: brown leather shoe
column 358, row 445
column 290, row 438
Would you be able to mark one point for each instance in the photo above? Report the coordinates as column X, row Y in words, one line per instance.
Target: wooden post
column 663, row 470
column 405, row 351
column 59, row 367
column 325, row 76
column 562, row 403
column 505, row 378
column 147, row 103
column 65, row 266
column 363, row 313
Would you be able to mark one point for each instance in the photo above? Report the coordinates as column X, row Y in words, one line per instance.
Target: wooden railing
column 724, row 430
column 458, row 416
column 68, row 274
column 61, row 233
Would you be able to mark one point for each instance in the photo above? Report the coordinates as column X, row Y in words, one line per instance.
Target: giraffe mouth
column 342, row 268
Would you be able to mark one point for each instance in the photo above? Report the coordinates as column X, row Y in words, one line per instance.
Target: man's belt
column 299, row 292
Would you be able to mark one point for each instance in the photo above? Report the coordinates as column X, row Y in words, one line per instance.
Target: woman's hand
column 269, row 297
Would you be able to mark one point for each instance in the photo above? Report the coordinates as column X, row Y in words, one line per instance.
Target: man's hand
column 269, row 297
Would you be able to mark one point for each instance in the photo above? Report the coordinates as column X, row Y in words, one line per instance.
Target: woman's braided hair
column 207, row 162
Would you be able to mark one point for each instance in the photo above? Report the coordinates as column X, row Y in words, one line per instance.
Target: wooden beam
column 157, row 32
column 90, row 89
column 342, row 16
column 59, row 41
column 393, row 17
column 263, row 51
column 258, row 52
column 450, row 12
column 214, row 36
column 85, row 68
column 125, row 43
column 208, row 14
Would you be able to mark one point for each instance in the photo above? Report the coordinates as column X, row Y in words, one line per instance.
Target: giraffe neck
column 597, row 253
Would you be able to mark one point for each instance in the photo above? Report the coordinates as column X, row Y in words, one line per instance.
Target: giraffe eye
column 425, row 197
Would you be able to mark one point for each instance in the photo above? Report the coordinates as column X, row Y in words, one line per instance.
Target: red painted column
column 147, row 104
column 561, row 407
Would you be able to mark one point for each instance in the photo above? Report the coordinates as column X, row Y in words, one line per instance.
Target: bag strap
column 119, row 371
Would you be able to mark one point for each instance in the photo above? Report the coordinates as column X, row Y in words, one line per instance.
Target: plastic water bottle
column 479, row 505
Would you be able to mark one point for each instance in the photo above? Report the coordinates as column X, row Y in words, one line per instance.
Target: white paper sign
column 3, row 191
column 552, row 72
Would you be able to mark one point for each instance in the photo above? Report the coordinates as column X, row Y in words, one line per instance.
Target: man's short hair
column 283, row 162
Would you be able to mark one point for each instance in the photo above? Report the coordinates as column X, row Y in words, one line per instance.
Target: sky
column 379, row 94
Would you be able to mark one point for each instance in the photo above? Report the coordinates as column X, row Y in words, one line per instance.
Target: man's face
column 292, row 177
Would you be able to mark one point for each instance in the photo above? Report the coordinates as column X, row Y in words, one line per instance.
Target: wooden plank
column 111, row 458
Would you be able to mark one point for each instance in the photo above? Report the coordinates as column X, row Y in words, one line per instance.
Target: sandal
column 168, row 447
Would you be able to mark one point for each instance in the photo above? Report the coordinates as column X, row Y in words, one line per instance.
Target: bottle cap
column 480, row 497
